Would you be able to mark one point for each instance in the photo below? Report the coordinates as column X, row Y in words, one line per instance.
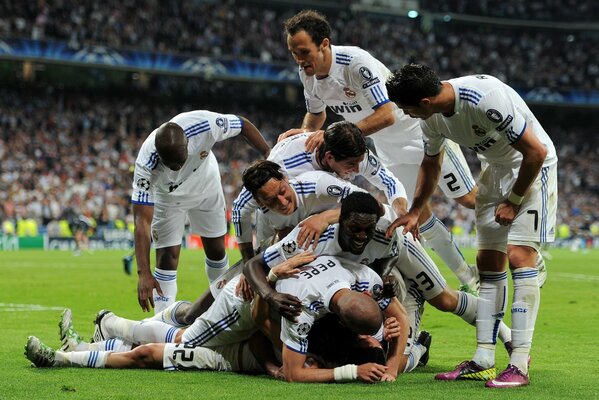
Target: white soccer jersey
column 315, row 286
column 353, row 89
column 378, row 248
column 294, row 160
column 316, row 191
column 153, row 179
column 489, row 117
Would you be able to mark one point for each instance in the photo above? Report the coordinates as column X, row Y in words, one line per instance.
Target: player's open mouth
column 358, row 243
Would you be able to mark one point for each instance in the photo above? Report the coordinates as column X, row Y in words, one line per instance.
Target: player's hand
column 290, row 267
column 409, row 222
column 371, row 372
column 391, row 329
column 506, row 212
column 290, row 132
column 314, row 141
column 310, row 230
column 286, row 305
column 388, row 378
column 244, row 290
column 390, row 286
column 145, row 296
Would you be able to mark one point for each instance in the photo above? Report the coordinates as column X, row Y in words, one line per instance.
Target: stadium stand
column 60, row 146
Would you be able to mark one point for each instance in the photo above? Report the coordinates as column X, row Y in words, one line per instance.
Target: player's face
column 421, row 111
column 356, row 231
column 277, row 196
column 307, row 54
column 177, row 159
column 346, row 169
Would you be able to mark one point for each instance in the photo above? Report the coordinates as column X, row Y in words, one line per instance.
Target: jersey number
column 185, row 356
column 424, row 280
column 451, row 182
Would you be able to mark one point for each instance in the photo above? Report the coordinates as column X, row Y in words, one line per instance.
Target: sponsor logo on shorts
column 155, row 234
column 494, row 115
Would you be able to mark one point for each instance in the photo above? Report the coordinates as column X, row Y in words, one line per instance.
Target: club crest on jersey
column 303, row 329
column 289, row 247
column 478, row 131
column 221, row 284
column 204, row 154
column 377, row 291
column 494, row 115
column 334, row 191
column 143, row 184
column 349, row 93
column 365, row 261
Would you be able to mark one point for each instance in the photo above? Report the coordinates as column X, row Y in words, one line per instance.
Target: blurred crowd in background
column 67, row 152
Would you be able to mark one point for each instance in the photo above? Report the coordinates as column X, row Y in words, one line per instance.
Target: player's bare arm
column 143, row 220
column 381, row 118
column 286, row 305
column 428, row 176
column 253, row 136
column 396, row 359
column 312, row 227
column 311, row 123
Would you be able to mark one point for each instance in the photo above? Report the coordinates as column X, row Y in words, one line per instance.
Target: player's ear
column 324, row 44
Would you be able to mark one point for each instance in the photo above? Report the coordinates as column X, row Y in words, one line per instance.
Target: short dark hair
column 360, row 202
column 344, row 140
column 360, row 313
column 412, row 83
column 314, row 23
column 260, row 172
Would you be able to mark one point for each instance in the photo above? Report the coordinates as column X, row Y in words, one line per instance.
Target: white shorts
column 455, row 179
column 235, row 357
column 206, row 211
column 535, row 221
column 228, row 320
column 419, row 271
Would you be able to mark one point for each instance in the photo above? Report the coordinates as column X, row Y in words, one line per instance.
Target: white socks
column 525, row 307
column 89, row 359
column 168, row 315
column 441, row 241
column 140, row 332
column 168, row 283
column 492, row 302
column 215, row 268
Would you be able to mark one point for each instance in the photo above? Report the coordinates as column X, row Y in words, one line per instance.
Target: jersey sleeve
column 498, row 112
column 244, row 207
column 314, row 105
column 222, row 127
column 365, row 77
column 143, row 182
column 282, row 250
column 434, row 141
column 373, row 170
column 295, row 334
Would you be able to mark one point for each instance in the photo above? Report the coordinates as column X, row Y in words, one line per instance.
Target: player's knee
column 147, row 355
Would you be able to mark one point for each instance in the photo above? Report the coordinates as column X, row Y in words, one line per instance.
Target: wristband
column 348, row 372
column 514, row 198
column 272, row 277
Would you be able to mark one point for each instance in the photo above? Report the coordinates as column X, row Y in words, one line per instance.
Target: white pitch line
column 27, row 307
column 573, row 277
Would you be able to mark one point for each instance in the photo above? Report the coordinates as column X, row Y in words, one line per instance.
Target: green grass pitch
column 36, row 285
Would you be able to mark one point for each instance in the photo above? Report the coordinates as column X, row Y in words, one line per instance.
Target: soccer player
column 177, row 177
column 351, row 82
column 515, row 207
column 252, row 356
column 343, row 152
